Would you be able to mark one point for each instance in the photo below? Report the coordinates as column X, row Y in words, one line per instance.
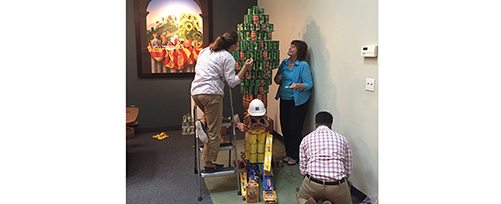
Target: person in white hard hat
column 257, row 118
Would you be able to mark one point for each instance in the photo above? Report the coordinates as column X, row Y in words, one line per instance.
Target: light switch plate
column 370, row 84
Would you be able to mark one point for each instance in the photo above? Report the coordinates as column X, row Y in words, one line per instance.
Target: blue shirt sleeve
column 306, row 76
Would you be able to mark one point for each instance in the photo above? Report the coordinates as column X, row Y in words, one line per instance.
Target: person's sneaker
column 201, row 132
column 291, row 161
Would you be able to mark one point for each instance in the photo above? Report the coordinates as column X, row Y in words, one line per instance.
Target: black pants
column 292, row 120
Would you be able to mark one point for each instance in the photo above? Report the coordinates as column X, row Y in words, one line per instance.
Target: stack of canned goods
column 256, row 43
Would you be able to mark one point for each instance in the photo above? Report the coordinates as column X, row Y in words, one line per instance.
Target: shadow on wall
column 318, row 58
column 362, row 148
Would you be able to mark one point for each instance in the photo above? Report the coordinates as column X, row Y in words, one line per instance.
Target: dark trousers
column 292, row 120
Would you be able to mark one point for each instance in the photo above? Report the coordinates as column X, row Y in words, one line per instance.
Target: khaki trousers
column 337, row 194
column 212, row 107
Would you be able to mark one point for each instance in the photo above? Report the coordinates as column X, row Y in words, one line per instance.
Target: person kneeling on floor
column 325, row 167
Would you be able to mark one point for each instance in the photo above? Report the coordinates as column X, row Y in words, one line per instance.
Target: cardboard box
column 270, row 197
column 252, row 192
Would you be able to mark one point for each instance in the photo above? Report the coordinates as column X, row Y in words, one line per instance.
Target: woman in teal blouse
column 295, row 83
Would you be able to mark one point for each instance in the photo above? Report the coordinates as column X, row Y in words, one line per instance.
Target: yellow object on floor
column 243, row 184
column 160, row 136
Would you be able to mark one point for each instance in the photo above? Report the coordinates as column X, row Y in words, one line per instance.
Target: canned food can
column 255, row 18
column 276, row 63
column 249, row 11
column 261, row 10
column 255, row 10
column 254, row 35
column 252, row 26
column 246, row 19
column 266, row 19
column 247, row 35
column 257, row 54
column 243, row 45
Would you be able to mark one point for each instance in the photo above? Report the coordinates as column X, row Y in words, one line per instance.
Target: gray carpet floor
column 162, row 171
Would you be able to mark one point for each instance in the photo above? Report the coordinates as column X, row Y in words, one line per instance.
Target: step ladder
column 231, row 147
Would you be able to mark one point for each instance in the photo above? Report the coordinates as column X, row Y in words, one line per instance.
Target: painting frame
column 143, row 56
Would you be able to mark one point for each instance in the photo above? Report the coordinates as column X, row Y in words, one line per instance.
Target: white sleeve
column 229, row 71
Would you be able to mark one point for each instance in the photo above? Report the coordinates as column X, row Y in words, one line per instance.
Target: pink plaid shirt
column 325, row 155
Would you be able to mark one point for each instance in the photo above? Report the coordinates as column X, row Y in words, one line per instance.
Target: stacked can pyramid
column 255, row 42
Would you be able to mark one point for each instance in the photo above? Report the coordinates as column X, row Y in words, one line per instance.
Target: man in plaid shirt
column 325, row 163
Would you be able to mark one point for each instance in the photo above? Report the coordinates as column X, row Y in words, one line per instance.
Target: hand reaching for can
column 248, row 63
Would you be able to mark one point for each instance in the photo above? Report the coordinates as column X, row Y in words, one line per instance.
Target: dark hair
column 302, row 49
column 323, row 118
column 224, row 41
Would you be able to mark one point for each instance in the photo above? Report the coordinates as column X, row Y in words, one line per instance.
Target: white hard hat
column 256, row 108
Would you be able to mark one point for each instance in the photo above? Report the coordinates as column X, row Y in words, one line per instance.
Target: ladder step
column 223, row 172
column 223, row 146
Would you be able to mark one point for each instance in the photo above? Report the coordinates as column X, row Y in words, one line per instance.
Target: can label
column 255, row 18
column 253, row 35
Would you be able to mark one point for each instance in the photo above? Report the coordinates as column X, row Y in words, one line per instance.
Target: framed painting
column 169, row 36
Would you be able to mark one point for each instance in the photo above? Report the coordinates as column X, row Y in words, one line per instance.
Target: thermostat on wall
column 369, row 51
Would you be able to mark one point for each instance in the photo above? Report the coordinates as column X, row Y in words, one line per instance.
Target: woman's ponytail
column 224, row 41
